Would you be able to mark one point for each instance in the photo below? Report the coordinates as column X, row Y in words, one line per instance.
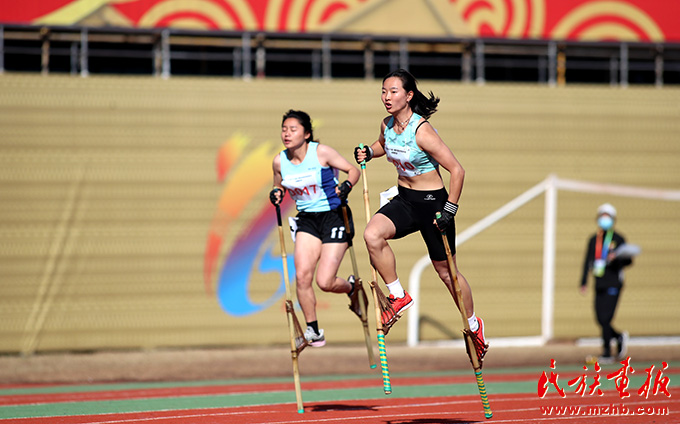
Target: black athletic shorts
column 328, row 226
column 414, row 210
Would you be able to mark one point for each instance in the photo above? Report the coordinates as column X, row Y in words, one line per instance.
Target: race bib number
column 303, row 186
column 401, row 159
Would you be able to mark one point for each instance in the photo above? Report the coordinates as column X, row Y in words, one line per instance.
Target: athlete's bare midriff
column 426, row 182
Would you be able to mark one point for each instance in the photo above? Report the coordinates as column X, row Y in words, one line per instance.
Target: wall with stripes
column 135, row 213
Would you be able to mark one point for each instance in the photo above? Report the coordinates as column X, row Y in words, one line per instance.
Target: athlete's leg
column 476, row 325
column 443, row 271
column 326, row 273
column 307, row 253
column 377, row 232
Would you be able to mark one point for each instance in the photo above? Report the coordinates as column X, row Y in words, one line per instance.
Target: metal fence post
column 479, row 61
column 84, row 65
column 466, row 64
column 316, row 64
column 658, row 66
column 369, row 60
column 403, row 54
column 45, row 51
column 552, row 63
column 165, row 53
column 624, row 65
column 549, row 236
column 613, row 71
column 394, row 60
column 247, row 58
column 260, row 57
column 326, row 58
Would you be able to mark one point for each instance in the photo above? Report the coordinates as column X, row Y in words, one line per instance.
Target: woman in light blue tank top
column 308, row 171
column 414, row 147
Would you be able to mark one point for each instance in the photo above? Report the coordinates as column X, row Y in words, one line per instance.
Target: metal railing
column 550, row 186
column 167, row 52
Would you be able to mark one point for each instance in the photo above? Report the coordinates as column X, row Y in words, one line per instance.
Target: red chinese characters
column 654, row 383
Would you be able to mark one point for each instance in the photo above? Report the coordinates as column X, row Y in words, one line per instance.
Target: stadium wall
column 135, row 212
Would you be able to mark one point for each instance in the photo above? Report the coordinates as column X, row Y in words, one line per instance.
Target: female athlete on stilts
column 411, row 143
column 308, row 171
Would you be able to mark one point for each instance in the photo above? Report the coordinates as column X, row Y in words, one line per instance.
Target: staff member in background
column 413, row 146
column 308, row 171
column 606, row 265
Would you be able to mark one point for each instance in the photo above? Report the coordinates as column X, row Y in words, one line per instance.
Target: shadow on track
column 340, row 407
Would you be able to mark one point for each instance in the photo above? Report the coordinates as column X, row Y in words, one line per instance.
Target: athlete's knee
column 373, row 237
column 442, row 270
column 303, row 279
column 444, row 276
column 325, row 282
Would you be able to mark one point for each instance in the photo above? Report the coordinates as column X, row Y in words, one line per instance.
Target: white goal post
column 549, row 186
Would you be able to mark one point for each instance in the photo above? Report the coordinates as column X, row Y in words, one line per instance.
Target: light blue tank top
column 403, row 151
column 311, row 185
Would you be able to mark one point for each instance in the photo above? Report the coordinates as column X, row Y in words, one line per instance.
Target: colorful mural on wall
column 592, row 20
column 244, row 173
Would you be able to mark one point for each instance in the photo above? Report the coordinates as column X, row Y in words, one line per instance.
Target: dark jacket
column 613, row 276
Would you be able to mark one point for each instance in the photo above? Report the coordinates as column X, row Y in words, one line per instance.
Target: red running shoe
column 398, row 306
column 481, row 346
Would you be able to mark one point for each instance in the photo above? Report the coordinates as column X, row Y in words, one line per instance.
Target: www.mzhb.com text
column 612, row 409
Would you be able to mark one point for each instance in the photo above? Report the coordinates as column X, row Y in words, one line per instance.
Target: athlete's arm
column 377, row 149
column 379, row 145
column 428, row 140
column 276, row 169
column 330, row 157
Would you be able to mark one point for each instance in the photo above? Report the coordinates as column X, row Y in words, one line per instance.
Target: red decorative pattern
column 641, row 20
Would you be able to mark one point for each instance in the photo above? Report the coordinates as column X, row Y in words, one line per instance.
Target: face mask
column 605, row 222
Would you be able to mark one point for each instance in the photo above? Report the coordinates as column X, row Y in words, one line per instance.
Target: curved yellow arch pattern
column 72, row 12
column 607, row 30
column 295, row 19
column 272, row 13
column 537, row 23
column 587, row 20
column 210, row 10
column 245, row 12
column 495, row 17
column 520, row 17
column 524, row 18
column 319, row 8
column 190, row 23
